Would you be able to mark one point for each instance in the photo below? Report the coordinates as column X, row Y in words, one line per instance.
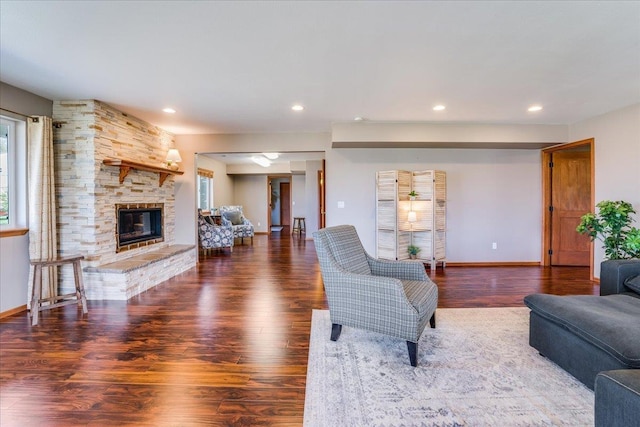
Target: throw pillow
column 633, row 283
column 234, row 216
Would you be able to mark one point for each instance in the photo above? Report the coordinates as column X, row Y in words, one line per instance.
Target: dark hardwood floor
column 223, row 344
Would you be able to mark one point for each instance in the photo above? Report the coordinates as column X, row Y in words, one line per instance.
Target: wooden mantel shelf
column 126, row 165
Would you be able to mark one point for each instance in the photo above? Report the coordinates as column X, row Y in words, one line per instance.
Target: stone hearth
column 87, row 133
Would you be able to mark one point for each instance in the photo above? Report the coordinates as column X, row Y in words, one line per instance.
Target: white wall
column 617, row 159
column 251, row 194
column 14, row 271
column 298, row 196
column 311, row 196
column 492, row 196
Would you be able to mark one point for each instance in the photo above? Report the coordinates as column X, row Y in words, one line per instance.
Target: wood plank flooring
column 223, row 344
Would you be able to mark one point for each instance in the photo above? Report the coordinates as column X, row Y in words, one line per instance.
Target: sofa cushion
column 633, row 283
column 607, row 322
column 234, row 216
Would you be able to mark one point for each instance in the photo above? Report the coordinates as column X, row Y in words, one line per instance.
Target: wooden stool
column 56, row 300
column 299, row 225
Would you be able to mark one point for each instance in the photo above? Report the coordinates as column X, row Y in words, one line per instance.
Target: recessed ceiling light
column 169, row 110
column 271, row 156
column 439, row 108
column 535, row 108
column 297, row 107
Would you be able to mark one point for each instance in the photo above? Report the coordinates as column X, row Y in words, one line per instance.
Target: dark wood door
column 321, row 197
column 570, row 198
column 285, row 204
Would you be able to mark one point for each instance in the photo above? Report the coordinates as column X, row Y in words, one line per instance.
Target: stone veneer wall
column 87, row 190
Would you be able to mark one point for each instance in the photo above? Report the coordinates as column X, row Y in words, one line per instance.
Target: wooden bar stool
column 299, row 225
column 56, row 300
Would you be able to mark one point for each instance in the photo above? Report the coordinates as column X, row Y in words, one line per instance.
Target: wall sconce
column 173, row 158
column 412, row 216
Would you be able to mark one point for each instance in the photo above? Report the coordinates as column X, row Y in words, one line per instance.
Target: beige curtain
column 43, row 242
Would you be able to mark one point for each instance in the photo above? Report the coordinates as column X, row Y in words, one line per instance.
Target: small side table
column 56, row 300
column 299, row 225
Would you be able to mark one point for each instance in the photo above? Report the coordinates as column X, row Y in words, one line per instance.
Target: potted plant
column 612, row 225
column 413, row 251
column 413, row 195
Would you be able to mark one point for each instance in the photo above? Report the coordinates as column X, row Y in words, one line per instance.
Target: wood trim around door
column 546, row 196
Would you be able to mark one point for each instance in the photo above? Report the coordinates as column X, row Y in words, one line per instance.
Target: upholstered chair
column 395, row 298
column 213, row 236
column 242, row 227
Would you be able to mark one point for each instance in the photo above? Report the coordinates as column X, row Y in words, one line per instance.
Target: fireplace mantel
column 127, row 165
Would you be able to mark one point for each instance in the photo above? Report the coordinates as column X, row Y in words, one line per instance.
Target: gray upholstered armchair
column 395, row 298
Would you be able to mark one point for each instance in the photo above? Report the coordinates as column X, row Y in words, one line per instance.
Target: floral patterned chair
column 214, row 236
column 242, row 227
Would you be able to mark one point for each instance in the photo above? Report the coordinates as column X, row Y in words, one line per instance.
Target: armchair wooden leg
column 432, row 321
column 413, row 353
column 335, row 331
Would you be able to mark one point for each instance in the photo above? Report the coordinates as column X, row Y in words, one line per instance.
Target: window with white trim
column 205, row 189
column 13, row 178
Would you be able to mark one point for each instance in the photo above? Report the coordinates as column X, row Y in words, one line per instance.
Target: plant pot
column 412, row 198
column 412, row 256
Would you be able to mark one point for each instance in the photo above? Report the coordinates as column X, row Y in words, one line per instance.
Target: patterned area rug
column 475, row 369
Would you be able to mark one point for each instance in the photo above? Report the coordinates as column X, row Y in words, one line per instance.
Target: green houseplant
column 413, row 251
column 413, row 194
column 612, row 225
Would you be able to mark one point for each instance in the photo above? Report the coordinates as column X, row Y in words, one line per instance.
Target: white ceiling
column 230, row 67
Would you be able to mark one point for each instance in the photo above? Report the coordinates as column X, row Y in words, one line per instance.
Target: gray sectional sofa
column 587, row 335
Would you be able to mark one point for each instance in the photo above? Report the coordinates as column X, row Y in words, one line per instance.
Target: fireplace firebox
column 138, row 225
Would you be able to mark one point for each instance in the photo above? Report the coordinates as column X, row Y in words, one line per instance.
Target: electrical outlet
column 258, row 224
column 494, row 245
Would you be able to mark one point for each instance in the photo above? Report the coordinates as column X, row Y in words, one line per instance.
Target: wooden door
column 570, row 199
column 285, row 204
column 321, row 198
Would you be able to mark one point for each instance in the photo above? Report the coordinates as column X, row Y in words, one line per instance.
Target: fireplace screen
column 138, row 225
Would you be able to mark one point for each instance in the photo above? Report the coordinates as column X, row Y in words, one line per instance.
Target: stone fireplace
column 89, row 194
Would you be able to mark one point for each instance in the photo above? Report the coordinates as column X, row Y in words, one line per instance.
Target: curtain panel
column 43, row 242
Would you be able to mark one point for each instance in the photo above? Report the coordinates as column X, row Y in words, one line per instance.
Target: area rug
column 475, row 369
column 277, row 228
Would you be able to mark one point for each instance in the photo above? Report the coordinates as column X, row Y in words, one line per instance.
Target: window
column 4, row 172
column 12, row 174
column 205, row 189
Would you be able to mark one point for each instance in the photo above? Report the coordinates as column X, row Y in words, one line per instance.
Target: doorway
column 285, row 204
column 568, row 193
column 279, row 203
